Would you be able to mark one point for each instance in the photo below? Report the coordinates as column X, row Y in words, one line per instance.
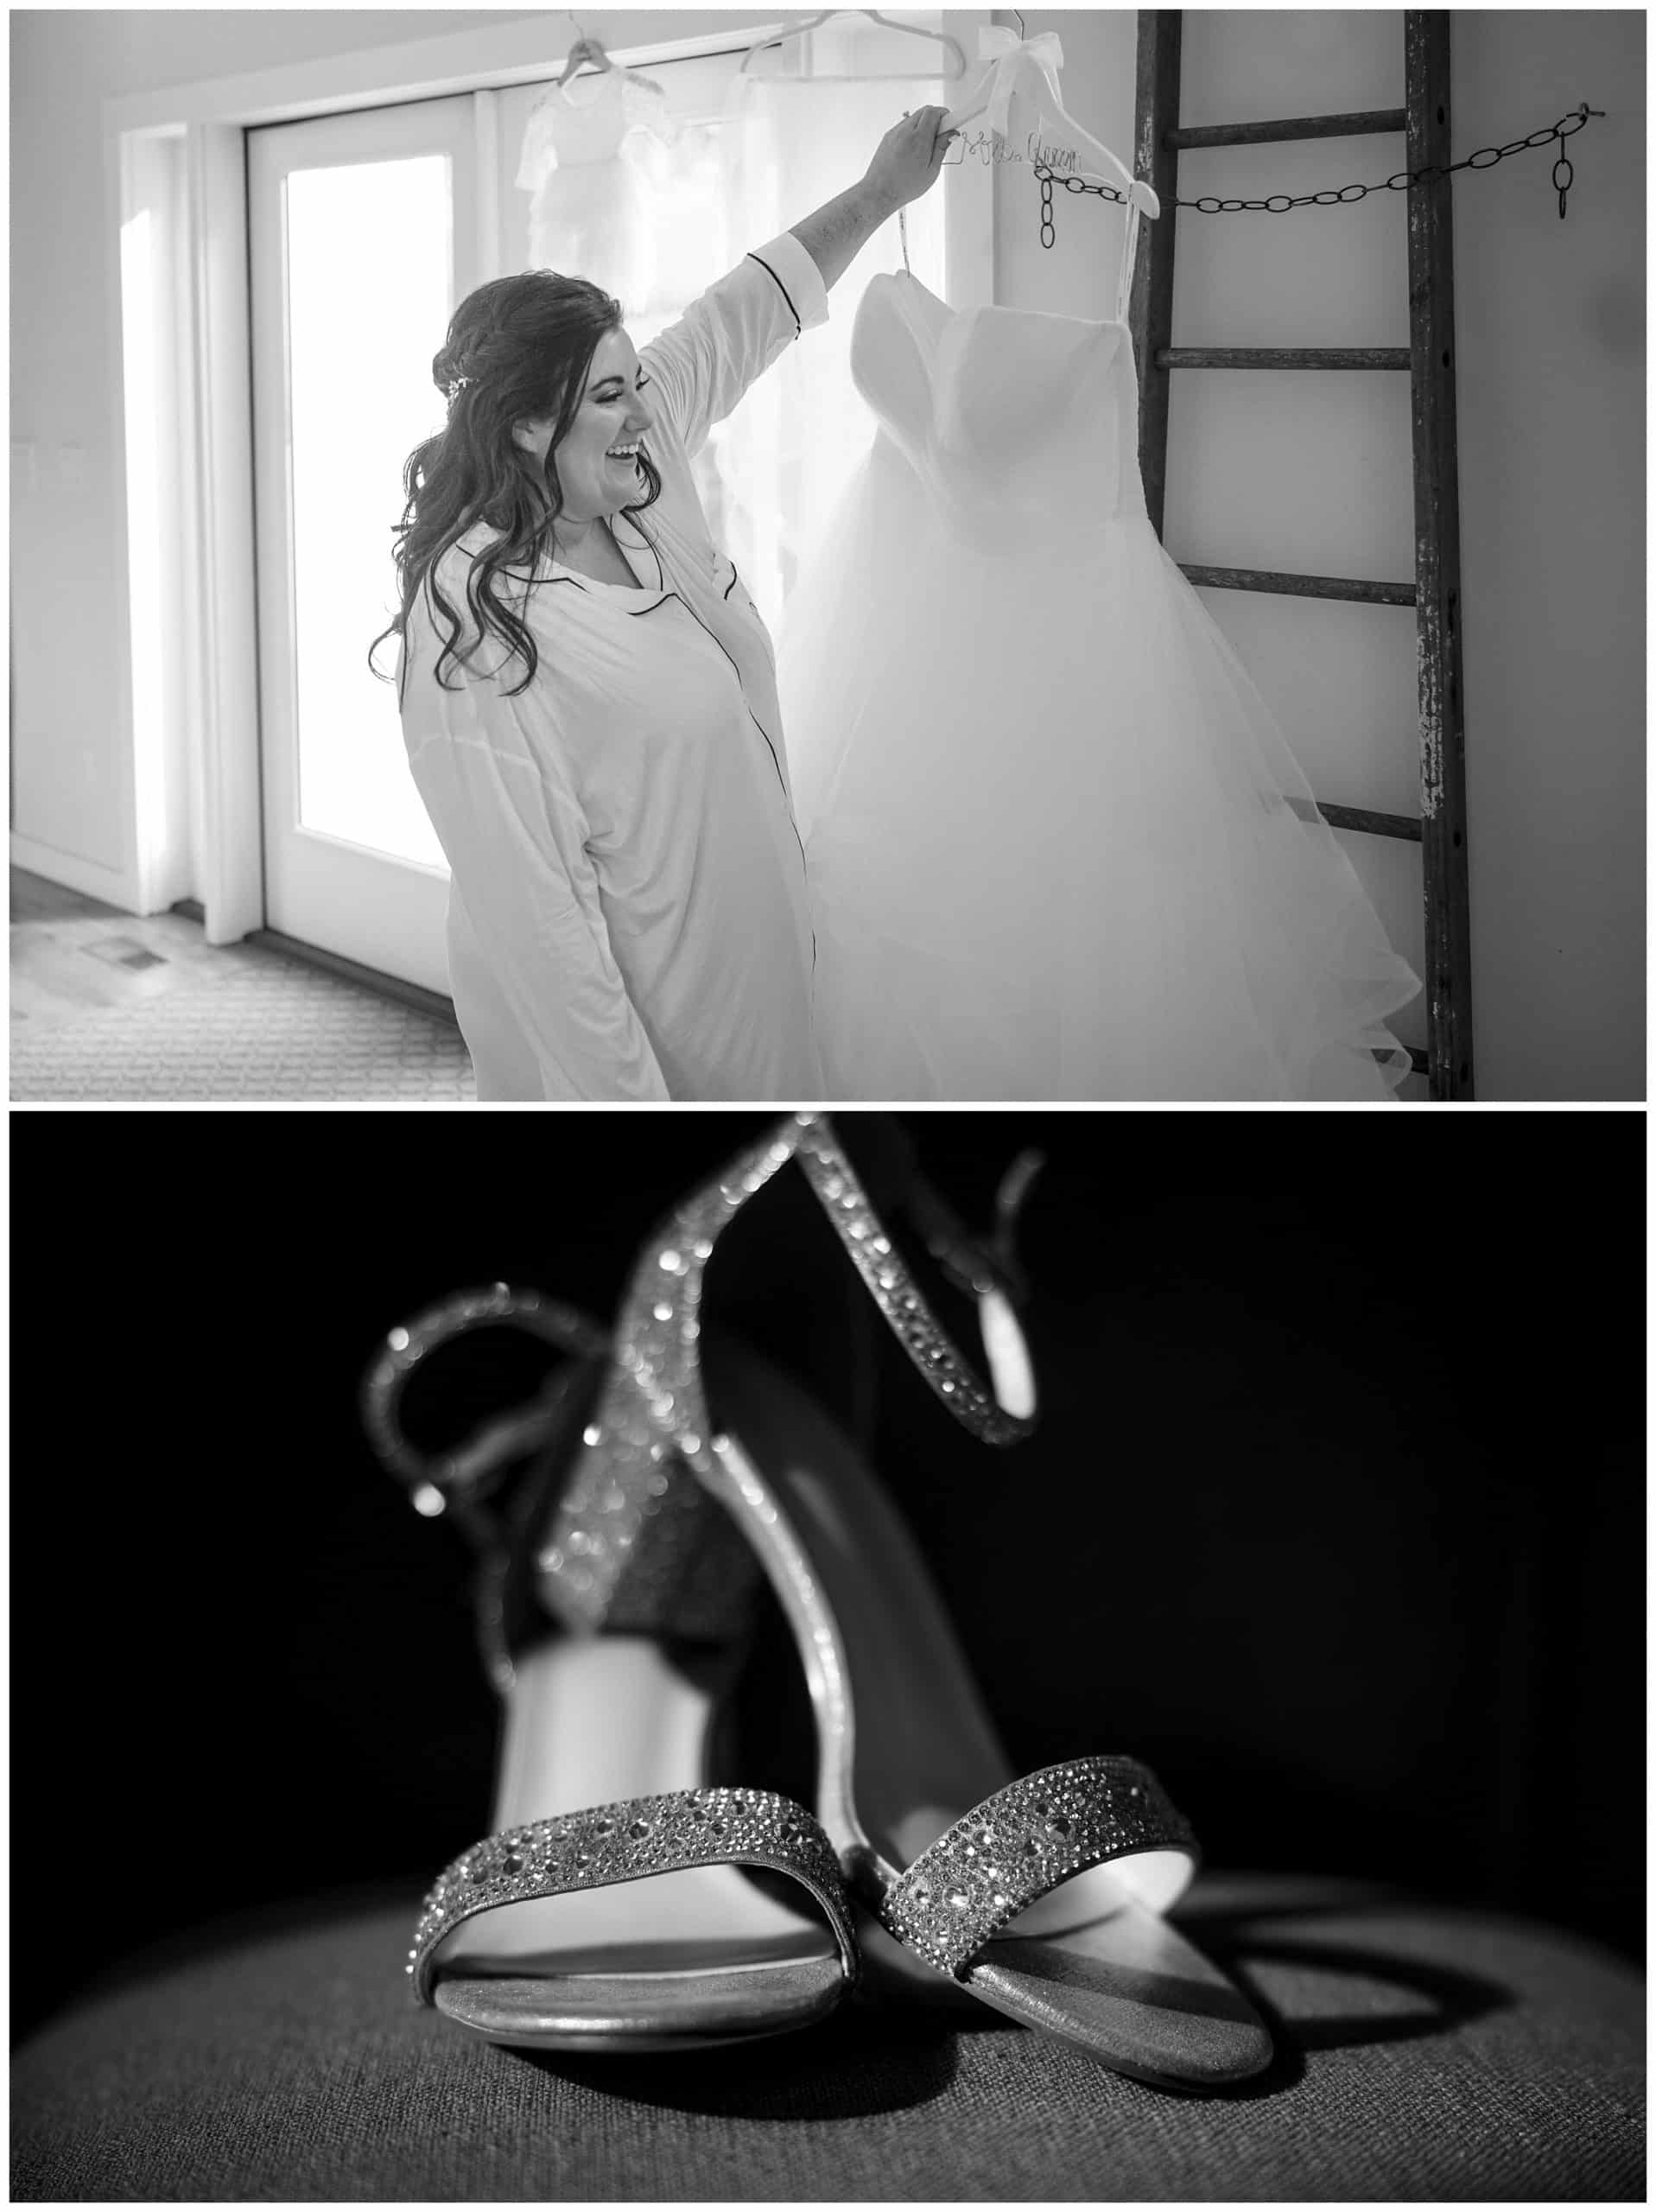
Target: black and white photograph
column 755, row 758
column 1091, row 556
column 1010, row 1656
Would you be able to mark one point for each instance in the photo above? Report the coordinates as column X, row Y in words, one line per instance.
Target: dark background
column 1335, row 1517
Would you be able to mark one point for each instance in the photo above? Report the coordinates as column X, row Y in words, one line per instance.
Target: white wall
column 1550, row 322
column 1550, row 325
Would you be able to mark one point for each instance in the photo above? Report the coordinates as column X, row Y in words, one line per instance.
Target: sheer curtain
column 788, row 452
column 745, row 155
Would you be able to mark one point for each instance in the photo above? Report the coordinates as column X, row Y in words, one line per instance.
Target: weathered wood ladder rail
column 1435, row 592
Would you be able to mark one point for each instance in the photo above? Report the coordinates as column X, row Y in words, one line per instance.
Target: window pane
column 369, row 256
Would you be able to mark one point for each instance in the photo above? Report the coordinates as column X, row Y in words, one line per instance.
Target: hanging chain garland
column 1280, row 202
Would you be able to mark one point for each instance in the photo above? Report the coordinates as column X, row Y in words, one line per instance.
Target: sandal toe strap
column 624, row 1842
column 1021, row 1844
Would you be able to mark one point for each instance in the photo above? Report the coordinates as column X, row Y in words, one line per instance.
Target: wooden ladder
column 1429, row 358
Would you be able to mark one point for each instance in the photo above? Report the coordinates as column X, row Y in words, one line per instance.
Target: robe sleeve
column 512, row 829
column 704, row 362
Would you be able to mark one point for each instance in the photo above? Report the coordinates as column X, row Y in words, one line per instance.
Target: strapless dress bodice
column 1013, row 420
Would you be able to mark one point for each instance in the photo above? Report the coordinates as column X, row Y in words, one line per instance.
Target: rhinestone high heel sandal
column 607, row 1909
column 1044, row 1897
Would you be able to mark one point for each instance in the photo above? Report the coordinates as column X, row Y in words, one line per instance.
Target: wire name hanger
column 1026, row 70
column 956, row 58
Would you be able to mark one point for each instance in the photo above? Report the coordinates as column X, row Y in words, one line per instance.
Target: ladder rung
column 1358, row 817
column 1276, row 357
column 1301, row 586
column 1370, row 125
column 1419, row 1064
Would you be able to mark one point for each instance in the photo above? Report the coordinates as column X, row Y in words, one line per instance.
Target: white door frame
column 209, row 534
column 383, row 908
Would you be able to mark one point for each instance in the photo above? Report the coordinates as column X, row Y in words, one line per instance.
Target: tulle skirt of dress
column 1058, row 846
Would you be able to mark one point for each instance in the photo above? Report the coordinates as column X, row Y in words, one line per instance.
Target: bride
column 588, row 694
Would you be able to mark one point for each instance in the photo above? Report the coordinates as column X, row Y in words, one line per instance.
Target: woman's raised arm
column 906, row 164
column 704, row 362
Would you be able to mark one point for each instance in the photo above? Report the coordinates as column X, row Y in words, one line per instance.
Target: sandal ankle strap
column 971, row 1261
column 660, row 1318
column 607, row 1540
column 456, row 1481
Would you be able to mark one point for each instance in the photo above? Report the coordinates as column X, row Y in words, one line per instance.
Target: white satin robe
column 627, row 914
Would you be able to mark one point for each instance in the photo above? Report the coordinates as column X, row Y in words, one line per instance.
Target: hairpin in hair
column 457, row 387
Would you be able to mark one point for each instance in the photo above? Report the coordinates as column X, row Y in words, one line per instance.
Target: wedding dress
column 1058, row 847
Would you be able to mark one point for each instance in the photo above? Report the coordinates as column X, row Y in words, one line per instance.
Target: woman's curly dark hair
column 524, row 344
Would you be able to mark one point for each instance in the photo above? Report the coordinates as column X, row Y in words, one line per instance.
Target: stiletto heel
column 612, row 1604
column 1043, row 1897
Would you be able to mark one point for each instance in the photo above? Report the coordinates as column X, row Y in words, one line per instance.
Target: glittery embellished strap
column 625, row 1843
column 616, row 1544
column 636, row 1547
column 1021, row 1843
column 831, row 1175
column 439, row 1481
column 658, row 1366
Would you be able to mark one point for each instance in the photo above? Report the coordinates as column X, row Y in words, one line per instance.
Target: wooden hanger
column 585, row 51
column 588, row 52
column 1028, row 70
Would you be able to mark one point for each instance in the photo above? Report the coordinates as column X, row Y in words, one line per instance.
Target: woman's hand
column 907, row 158
column 906, row 164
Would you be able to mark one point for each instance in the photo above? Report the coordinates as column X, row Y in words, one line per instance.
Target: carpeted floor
column 105, row 1007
